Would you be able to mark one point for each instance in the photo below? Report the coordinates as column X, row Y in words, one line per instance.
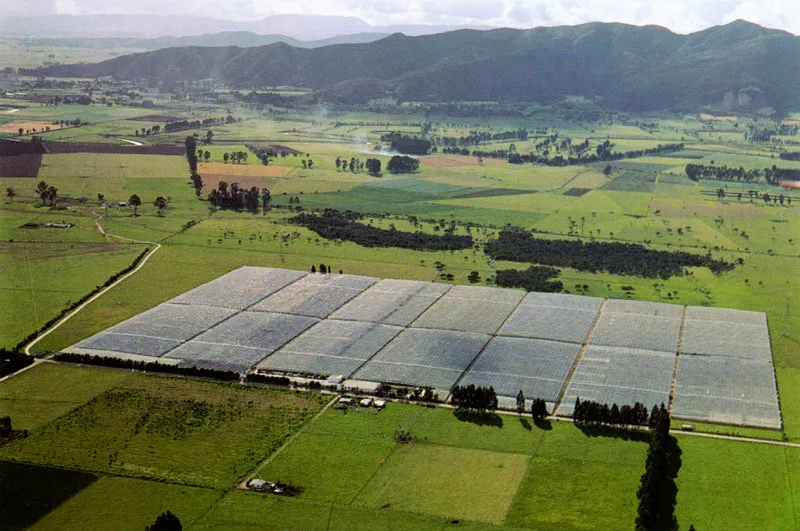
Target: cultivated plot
column 241, row 288
column 539, row 368
column 422, row 357
column 331, row 347
column 728, row 315
column 620, row 375
column 655, row 309
column 726, row 339
column 315, row 295
column 470, row 309
column 154, row 332
column 395, row 302
column 545, row 316
column 241, row 341
column 639, row 331
column 726, row 391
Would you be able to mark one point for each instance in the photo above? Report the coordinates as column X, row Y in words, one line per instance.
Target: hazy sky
column 682, row 16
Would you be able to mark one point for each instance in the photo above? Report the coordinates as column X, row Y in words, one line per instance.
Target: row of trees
column 535, row 278
column 773, row 175
column 147, row 366
column 617, row 258
column 407, row 144
column 355, row 165
column 236, row 198
column 721, row 173
column 591, row 412
column 603, row 153
column 183, row 125
column 476, row 138
column 472, row 398
column 324, row 269
column 335, row 225
column 657, row 491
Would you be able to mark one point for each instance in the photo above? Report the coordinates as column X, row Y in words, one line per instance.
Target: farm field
column 437, row 474
column 92, row 420
column 159, row 428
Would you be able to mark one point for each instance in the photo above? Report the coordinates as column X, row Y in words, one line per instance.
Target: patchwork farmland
column 707, row 364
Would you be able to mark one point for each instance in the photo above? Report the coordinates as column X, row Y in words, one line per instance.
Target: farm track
column 102, row 231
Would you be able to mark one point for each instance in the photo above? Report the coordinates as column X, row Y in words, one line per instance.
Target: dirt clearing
column 457, row 161
column 242, row 170
column 30, row 126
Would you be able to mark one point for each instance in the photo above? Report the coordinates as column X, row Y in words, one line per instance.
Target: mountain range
column 301, row 27
column 739, row 67
column 242, row 39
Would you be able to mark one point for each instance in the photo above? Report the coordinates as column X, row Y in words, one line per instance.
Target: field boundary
column 70, row 315
column 242, row 485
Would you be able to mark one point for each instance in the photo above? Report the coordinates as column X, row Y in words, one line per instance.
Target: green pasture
column 734, row 485
column 48, row 391
column 116, row 503
column 41, row 279
column 160, row 428
column 507, row 472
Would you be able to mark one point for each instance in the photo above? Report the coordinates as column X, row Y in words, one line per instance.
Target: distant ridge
column 301, row 27
column 242, row 39
column 737, row 67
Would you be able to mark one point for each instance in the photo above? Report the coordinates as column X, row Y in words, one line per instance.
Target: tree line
column 772, row 176
column 12, row 360
column 535, row 278
column 147, row 366
column 234, row 197
column 410, row 145
column 183, row 125
column 617, row 258
column 476, row 138
column 591, row 412
column 335, row 225
column 472, row 398
column 602, row 154
column 657, row 491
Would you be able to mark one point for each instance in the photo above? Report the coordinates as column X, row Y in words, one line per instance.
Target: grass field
column 161, row 428
column 48, row 391
column 513, row 474
column 115, row 503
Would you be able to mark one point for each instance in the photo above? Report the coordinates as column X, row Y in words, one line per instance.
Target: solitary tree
column 225, row 158
column 160, row 203
column 41, row 191
column 5, row 427
column 165, row 522
column 209, row 136
column 52, row 193
column 265, row 198
column 135, row 202
column 520, row 402
column 10, row 193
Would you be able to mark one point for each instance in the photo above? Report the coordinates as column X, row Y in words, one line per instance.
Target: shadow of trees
column 480, row 418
